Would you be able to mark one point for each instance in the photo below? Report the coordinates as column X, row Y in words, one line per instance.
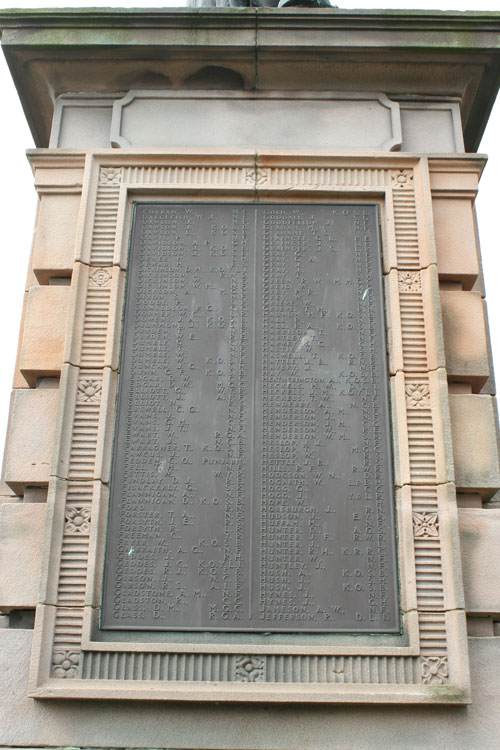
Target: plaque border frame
column 428, row 663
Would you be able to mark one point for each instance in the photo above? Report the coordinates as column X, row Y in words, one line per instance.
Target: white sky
column 18, row 200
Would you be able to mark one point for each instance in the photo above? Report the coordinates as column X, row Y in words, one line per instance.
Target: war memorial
column 249, row 496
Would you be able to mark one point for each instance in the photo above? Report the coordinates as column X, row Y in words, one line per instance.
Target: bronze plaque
column 252, row 484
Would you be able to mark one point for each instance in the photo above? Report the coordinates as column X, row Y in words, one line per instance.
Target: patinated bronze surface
column 252, row 482
column 258, row 3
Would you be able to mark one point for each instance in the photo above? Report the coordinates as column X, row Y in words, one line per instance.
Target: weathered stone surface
column 356, row 122
column 465, row 338
column 10, row 499
column 480, row 627
column 21, row 535
column 54, row 247
column 29, row 449
column 430, row 128
column 107, row 286
column 125, row 724
column 19, row 381
column 405, row 330
column 469, row 500
column 456, row 240
column 35, row 495
column 83, row 124
column 475, row 443
column 69, row 176
column 479, row 540
column 22, row 619
column 394, row 55
column 73, row 387
column 7, row 492
column 44, row 332
column 446, row 175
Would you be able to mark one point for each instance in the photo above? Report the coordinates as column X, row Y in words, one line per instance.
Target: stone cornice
column 411, row 20
column 458, row 53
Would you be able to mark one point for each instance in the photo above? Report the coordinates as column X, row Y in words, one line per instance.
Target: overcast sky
column 18, row 200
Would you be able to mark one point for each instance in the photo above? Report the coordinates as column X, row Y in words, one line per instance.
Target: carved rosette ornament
column 110, row 176
column 409, row 281
column 65, row 664
column 418, row 396
column 89, row 391
column 100, row 277
column 77, row 521
column 425, row 525
column 257, row 176
column 434, row 670
column 401, row 178
column 249, row 669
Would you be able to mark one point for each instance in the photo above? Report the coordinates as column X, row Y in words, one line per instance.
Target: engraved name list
column 252, row 482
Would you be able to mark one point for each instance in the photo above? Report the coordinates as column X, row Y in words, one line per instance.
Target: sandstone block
column 69, row 177
column 35, row 495
column 19, row 381
column 445, row 177
column 475, row 443
column 456, row 240
column 44, row 332
column 465, row 339
column 10, row 499
column 480, row 626
column 54, row 247
column 21, row 534
column 29, row 449
column 479, row 539
column 5, row 490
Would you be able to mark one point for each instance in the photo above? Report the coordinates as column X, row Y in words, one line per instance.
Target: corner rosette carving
column 257, row 176
column 401, row 178
column 418, row 396
column 425, row 525
column 65, row 664
column 110, row 176
column 249, row 668
column 77, row 521
column 89, row 391
column 101, row 277
column 434, row 670
column 410, row 281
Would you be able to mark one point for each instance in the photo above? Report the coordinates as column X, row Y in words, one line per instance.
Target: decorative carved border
column 428, row 662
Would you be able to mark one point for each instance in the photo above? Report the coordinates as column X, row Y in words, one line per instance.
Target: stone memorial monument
column 259, row 508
